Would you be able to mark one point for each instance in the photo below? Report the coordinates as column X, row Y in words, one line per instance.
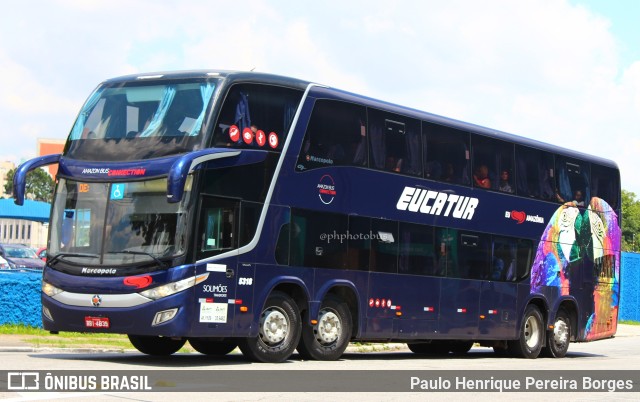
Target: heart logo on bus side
column 519, row 216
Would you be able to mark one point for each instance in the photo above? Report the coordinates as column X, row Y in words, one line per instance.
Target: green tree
column 39, row 185
column 630, row 221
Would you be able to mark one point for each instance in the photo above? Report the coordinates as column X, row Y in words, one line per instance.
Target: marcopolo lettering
column 437, row 203
column 99, row 271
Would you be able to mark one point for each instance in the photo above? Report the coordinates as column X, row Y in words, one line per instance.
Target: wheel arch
column 292, row 286
column 346, row 291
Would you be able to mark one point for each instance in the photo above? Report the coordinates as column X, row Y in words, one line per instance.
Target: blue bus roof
column 322, row 90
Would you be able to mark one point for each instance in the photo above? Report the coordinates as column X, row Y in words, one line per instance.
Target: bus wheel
column 529, row 343
column 279, row 331
column 328, row 339
column 156, row 345
column 430, row 348
column 212, row 347
column 460, row 347
column 558, row 339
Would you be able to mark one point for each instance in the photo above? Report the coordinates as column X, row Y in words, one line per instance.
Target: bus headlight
column 50, row 290
column 173, row 287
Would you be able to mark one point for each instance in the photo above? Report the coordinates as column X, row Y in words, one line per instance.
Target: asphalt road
column 619, row 353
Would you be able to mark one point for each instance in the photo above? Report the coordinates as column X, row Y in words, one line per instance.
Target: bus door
column 417, row 310
column 463, row 260
column 510, row 262
column 217, row 234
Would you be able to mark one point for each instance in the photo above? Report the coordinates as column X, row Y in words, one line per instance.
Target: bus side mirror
column 20, row 177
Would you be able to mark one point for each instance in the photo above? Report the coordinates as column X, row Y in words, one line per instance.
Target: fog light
column 47, row 313
column 164, row 316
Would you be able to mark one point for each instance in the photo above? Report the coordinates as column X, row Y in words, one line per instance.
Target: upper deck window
column 336, row 136
column 605, row 184
column 493, row 164
column 141, row 120
column 536, row 174
column 447, row 154
column 395, row 143
column 256, row 116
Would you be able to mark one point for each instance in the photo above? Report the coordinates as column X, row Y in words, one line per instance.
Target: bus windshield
column 117, row 224
column 141, row 120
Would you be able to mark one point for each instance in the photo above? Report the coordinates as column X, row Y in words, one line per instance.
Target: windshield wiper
column 156, row 259
column 56, row 258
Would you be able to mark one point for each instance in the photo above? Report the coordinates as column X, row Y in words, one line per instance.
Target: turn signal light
column 244, row 309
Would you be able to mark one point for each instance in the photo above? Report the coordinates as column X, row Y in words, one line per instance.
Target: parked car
column 4, row 264
column 20, row 256
column 42, row 253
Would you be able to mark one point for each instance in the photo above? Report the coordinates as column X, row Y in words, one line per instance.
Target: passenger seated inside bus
column 481, row 176
column 578, row 198
column 504, row 184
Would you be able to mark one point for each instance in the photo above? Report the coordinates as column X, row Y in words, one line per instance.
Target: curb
column 366, row 348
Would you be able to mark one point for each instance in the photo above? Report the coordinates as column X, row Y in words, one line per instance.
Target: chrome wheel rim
column 328, row 328
column 532, row 332
column 274, row 326
column 560, row 333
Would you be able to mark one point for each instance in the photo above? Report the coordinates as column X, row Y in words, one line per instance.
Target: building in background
column 5, row 167
column 48, row 146
column 27, row 224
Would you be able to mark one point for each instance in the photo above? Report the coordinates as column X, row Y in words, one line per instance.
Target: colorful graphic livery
column 586, row 240
column 233, row 209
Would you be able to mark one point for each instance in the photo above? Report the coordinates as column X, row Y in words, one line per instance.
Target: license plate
column 96, row 322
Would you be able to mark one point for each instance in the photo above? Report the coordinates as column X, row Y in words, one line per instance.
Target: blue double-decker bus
column 241, row 209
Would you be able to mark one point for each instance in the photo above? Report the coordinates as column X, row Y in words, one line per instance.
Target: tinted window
column 359, row 243
column 249, row 217
column 248, row 182
column 417, row 249
column 282, row 245
column 535, row 173
column 395, row 143
column 311, row 245
column 447, row 154
column 384, row 246
column 218, row 226
column 503, row 261
column 524, row 259
column 141, row 120
column 572, row 181
column 474, row 256
column 605, row 184
column 447, row 252
column 336, row 136
column 256, row 116
column 493, row 164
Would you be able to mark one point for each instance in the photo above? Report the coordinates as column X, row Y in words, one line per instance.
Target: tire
column 435, row 348
column 559, row 338
column 212, row 347
column 328, row 339
column 279, row 331
column 529, row 342
column 156, row 345
column 460, row 348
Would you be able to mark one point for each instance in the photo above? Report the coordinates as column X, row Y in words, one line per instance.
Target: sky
column 565, row 72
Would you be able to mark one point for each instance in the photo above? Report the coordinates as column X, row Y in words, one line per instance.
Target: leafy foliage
column 630, row 221
column 39, row 185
